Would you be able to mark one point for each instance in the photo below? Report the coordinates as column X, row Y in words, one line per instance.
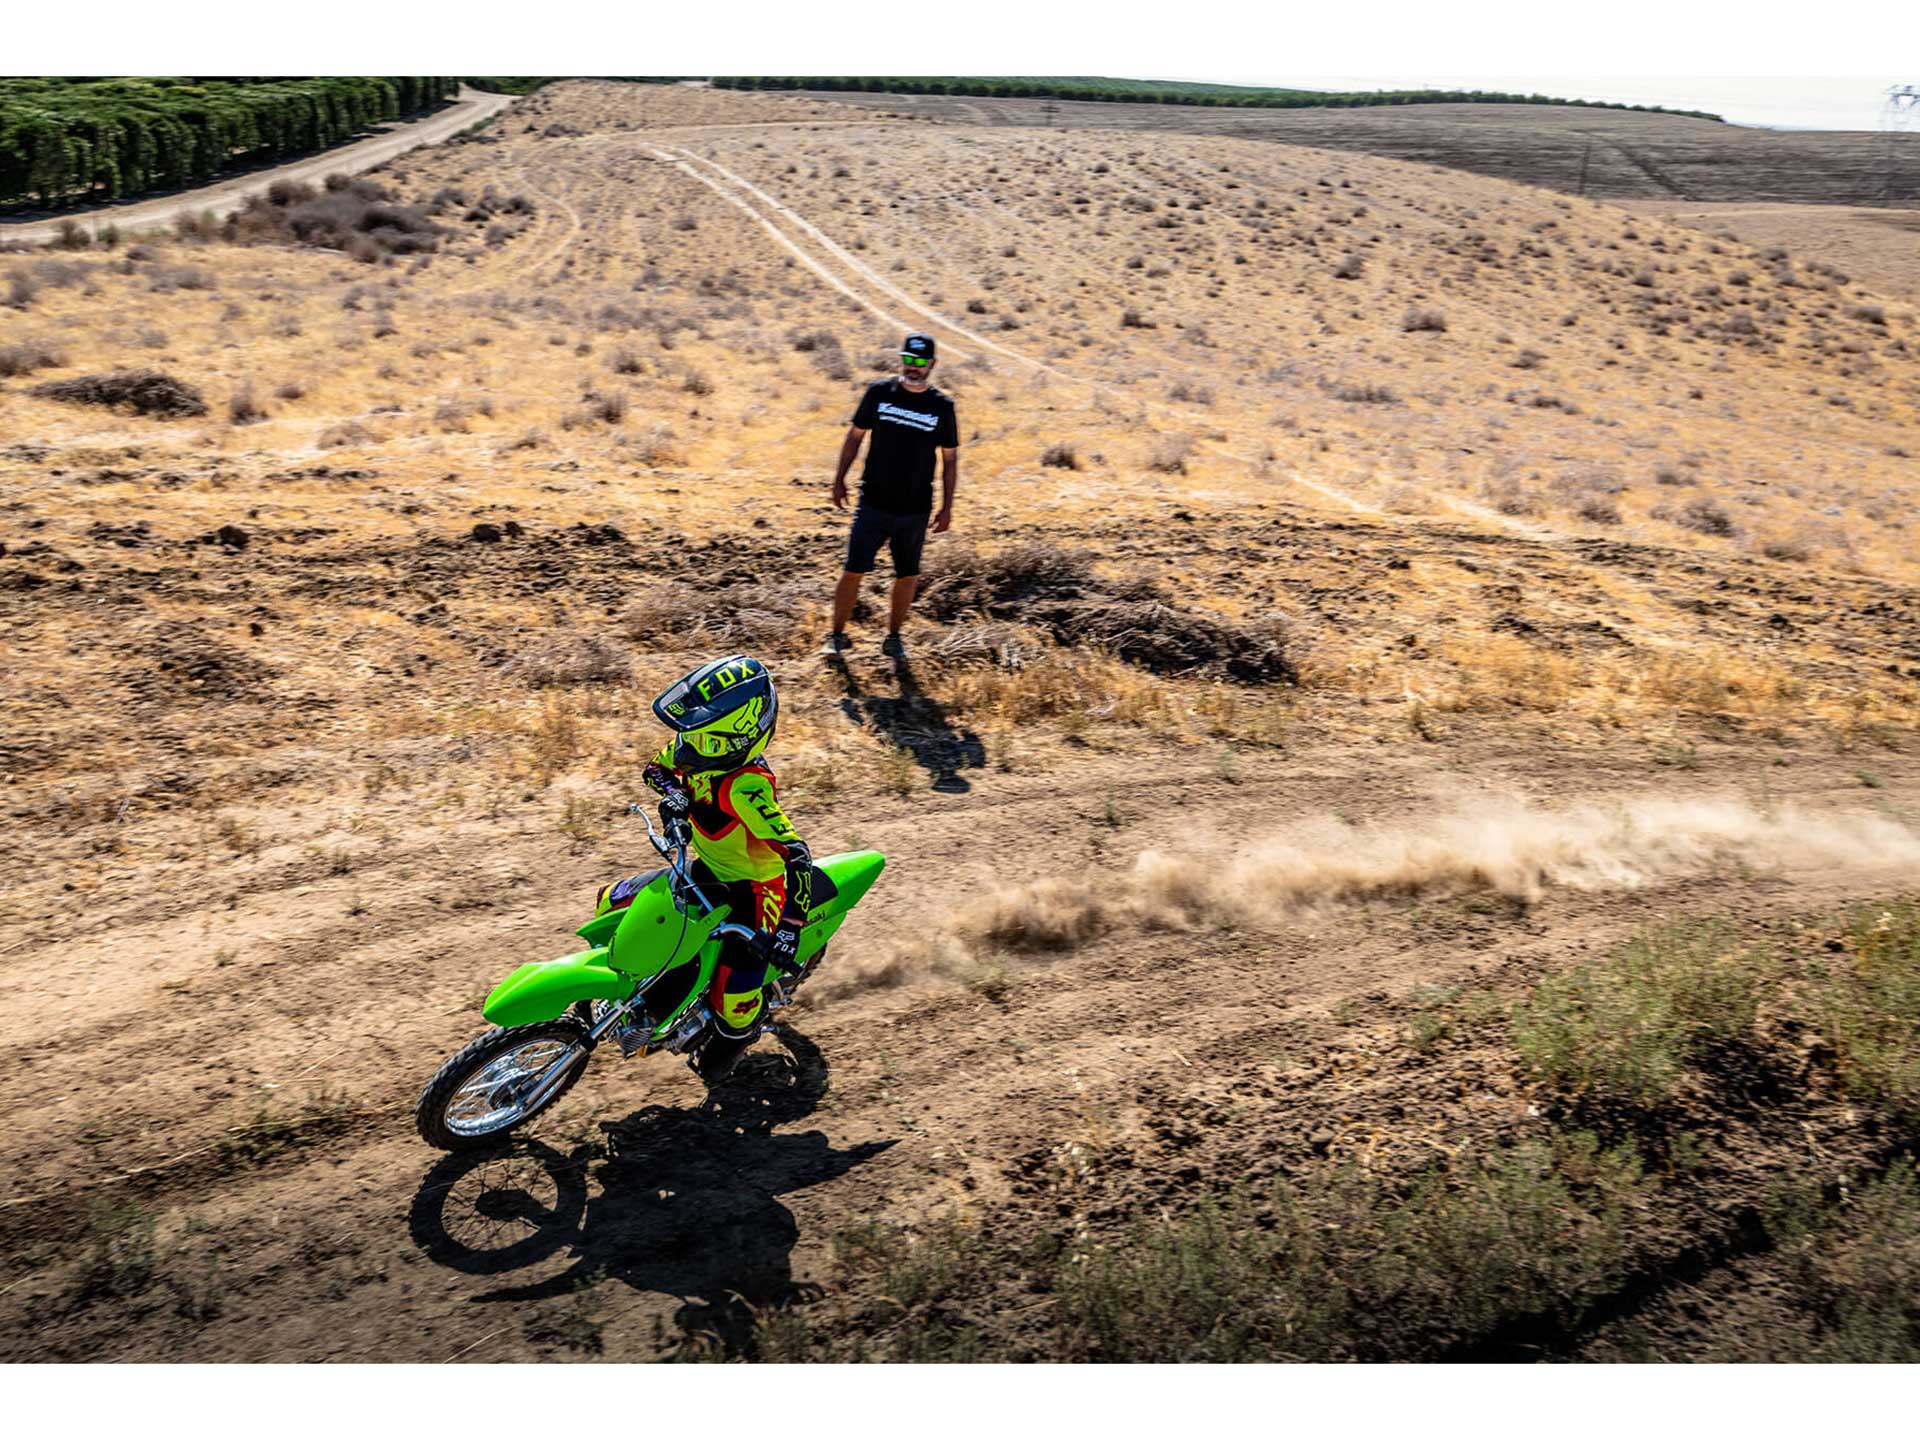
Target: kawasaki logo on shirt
column 919, row 420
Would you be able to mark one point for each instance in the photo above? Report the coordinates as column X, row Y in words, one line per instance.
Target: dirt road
column 910, row 1083
column 468, row 108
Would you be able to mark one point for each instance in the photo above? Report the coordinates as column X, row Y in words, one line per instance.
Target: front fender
column 544, row 989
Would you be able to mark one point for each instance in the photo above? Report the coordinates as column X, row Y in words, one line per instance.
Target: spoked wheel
column 499, row 1082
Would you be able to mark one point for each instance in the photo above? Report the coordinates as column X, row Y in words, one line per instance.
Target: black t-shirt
column 905, row 431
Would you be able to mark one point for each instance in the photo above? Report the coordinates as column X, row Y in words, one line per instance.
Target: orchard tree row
column 67, row 141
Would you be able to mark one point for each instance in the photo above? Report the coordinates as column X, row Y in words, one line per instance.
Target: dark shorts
column 903, row 535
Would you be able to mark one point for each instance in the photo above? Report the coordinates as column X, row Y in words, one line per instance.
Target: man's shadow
column 917, row 723
column 686, row 1205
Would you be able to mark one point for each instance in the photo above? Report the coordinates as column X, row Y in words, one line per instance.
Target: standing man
column 909, row 420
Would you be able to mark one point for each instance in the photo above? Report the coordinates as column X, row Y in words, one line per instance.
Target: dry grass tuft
column 569, row 658
column 26, row 356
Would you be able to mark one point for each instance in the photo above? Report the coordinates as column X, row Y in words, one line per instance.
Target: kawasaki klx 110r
column 643, row 982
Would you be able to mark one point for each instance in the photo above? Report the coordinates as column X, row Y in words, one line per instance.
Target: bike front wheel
column 500, row 1082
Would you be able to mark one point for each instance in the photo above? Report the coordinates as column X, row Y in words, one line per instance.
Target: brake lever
column 659, row 845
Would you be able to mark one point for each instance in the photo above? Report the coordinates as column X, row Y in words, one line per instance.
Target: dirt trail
column 919, row 1079
column 469, row 107
column 865, row 273
column 685, row 167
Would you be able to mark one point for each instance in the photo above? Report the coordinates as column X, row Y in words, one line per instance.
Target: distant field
column 1154, row 92
column 1864, row 241
column 1602, row 154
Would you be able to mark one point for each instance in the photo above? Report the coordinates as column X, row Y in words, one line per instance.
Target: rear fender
column 544, row 989
column 848, row 878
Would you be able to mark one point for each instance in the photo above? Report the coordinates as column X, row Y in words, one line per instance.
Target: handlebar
column 673, row 849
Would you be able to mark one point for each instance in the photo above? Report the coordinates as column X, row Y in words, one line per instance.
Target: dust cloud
column 1511, row 848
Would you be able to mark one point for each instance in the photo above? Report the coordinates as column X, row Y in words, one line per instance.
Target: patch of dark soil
column 189, row 660
column 1572, row 635
column 998, row 584
column 1167, row 640
column 128, row 537
column 143, row 392
column 1057, row 591
column 323, row 472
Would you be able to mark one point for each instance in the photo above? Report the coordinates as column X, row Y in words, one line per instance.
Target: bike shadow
column 686, row 1205
column 917, row 723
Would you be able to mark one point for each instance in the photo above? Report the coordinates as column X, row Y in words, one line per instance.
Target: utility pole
column 1585, row 156
column 1899, row 119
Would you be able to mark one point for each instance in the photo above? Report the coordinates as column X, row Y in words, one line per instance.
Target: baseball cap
column 919, row 346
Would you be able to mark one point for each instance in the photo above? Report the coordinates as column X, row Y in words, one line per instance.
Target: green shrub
column 1345, row 1268
column 1870, row 1006
column 1856, row 1278
column 1628, row 1027
column 121, row 1256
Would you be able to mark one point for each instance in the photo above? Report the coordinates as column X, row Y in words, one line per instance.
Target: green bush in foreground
column 1855, row 1278
column 1343, row 1267
column 1627, row 1027
column 1870, row 1006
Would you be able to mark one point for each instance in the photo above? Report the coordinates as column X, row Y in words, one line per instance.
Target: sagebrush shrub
column 1626, row 1028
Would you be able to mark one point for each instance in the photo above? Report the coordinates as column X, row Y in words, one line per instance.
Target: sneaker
column 835, row 644
column 893, row 648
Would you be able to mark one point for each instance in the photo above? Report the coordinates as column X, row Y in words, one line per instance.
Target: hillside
column 1377, row 593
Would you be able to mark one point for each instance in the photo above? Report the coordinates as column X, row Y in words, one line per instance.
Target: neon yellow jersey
column 739, row 829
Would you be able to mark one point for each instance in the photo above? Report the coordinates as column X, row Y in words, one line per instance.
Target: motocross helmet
column 723, row 713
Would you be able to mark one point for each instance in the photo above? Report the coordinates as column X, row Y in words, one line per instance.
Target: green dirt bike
column 643, row 981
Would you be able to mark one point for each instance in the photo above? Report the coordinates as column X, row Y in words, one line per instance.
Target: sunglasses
column 915, row 363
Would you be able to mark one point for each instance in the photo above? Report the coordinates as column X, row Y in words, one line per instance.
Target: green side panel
column 814, row 938
column 653, row 937
column 545, row 988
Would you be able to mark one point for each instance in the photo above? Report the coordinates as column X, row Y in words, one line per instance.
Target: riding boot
column 715, row 1060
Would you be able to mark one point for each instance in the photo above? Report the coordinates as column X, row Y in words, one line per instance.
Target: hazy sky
column 1800, row 102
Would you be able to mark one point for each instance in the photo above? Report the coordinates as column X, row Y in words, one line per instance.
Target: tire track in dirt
column 782, row 240
column 877, row 280
column 886, row 286
column 517, row 262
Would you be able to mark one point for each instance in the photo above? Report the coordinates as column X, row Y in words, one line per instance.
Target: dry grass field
column 1599, row 153
column 1378, row 594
